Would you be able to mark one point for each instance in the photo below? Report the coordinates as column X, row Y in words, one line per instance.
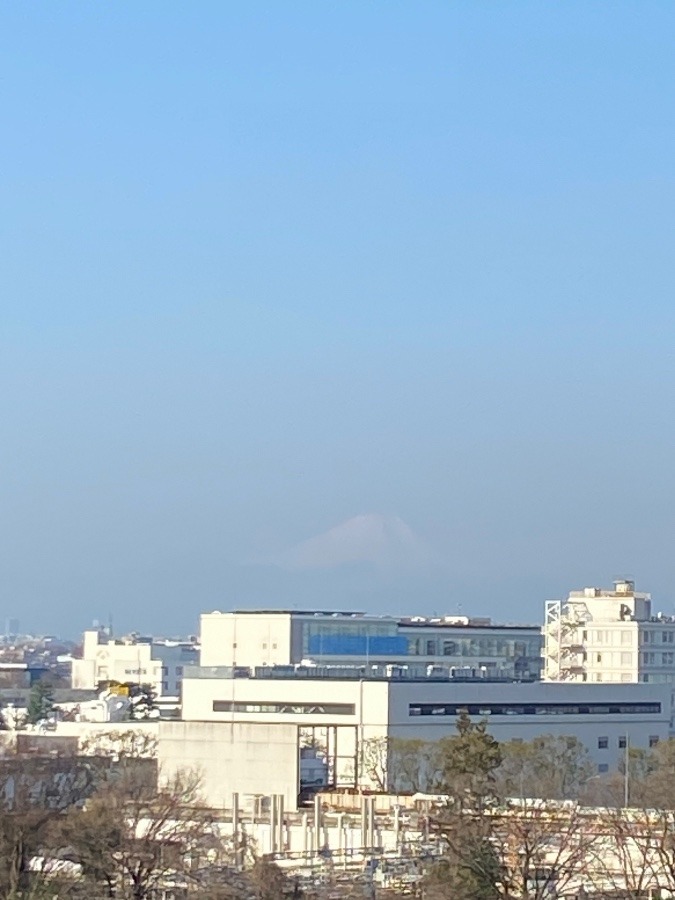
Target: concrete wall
column 248, row 758
column 245, row 639
column 369, row 699
column 253, row 746
column 83, row 675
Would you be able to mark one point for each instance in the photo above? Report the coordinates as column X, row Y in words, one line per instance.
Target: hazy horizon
column 268, row 269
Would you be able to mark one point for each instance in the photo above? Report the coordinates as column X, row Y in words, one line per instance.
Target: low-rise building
column 278, row 637
column 246, row 730
column 132, row 659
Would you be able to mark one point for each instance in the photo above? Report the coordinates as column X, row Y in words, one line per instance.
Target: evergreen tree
column 40, row 702
column 466, row 763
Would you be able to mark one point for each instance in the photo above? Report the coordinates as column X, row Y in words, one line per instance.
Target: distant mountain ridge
column 386, row 542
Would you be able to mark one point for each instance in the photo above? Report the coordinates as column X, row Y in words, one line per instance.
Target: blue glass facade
column 357, row 645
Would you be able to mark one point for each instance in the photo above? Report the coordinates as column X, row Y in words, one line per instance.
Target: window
column 622, row 743
column 264, row 646
column 603, row 768
column 603, row 743
column 165, row 670
column 598, row 657
column 431, row 648
column 626, row 637
column 550, row 709
column 179, row 670
column 653, row 740
column 449, row 648
column 667, row 658
column 302, row 709
column 274, row 646
column 165, row 685
column 626, row 659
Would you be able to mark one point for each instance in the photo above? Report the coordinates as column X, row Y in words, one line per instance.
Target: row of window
column 653, row 659
column 603, row 742
column 446, row 709
column 550, row 709
column 649, row 658
column 165, row 671
column 292, row 709
column 318, row 635
column 625, row 658
column 609, row 636
column 502, row 648
column 661, row 678
column 652, row 637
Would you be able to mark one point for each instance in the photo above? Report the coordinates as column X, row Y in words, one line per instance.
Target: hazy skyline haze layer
column 268, row 268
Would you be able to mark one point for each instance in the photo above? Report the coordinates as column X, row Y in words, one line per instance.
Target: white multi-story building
column 600, row 635
column 247, row 730
column 132, row 659
column 277, row 637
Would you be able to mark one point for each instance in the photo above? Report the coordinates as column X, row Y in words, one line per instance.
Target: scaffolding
column 564, row 641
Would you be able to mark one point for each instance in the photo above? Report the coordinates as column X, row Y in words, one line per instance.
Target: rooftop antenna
column 110, row 625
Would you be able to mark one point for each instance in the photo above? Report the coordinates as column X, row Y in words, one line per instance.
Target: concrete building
column 141, row 661
column 249, row 731
column 273, row 637
column 599, row 635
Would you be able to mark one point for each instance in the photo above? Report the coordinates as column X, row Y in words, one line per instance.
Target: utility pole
column 626, row 777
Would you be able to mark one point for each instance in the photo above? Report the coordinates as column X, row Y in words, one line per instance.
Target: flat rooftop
column 449, row 621
column 346, row 673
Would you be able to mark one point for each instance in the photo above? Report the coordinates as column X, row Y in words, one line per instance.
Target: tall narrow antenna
column 110, row 625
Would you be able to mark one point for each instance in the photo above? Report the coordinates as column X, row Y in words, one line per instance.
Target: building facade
column 608, row 635
column 270, row 637
column 158, row 664
column 252, row 728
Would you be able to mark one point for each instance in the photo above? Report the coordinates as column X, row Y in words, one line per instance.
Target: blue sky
column 270, row 266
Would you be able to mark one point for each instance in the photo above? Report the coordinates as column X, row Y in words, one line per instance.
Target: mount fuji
column 385, row 542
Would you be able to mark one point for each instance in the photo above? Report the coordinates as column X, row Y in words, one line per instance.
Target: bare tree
column 626, row 859
column 34, row 792
column 548, row 767
column 134, row 838
column 397, row 764
column 546, row 848
column 375, row 761
column 122, row 744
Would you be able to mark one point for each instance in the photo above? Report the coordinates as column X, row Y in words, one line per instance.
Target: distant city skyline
column 268, row 269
